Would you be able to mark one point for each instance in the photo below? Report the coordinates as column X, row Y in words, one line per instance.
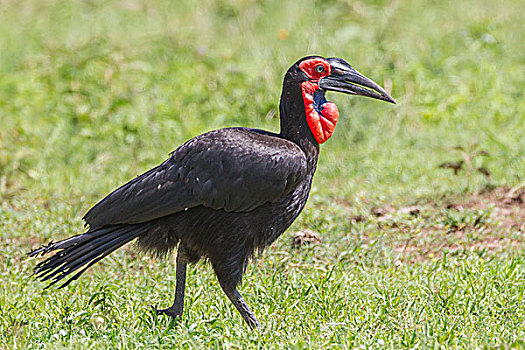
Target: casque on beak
column 344, row 78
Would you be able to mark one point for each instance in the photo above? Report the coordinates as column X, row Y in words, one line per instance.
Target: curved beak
column 344, row 78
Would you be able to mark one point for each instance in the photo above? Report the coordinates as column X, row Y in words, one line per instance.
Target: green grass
column 93, row 93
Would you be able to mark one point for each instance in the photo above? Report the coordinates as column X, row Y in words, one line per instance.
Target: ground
column 413, row 236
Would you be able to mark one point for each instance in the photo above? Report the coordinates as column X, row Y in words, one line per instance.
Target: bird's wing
column 240, row 169
column 234, row 169
column 154, row 194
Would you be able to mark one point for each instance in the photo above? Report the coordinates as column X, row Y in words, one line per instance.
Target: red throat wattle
column 322, row 120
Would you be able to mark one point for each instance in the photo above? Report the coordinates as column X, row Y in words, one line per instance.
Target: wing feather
column 234, row 169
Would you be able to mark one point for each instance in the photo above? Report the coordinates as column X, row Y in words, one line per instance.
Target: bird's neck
column 294, row 126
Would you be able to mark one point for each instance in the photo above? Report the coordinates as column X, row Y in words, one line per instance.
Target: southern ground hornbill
column 223, row 195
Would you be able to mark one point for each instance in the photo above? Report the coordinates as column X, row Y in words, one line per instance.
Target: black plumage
column 223, row 195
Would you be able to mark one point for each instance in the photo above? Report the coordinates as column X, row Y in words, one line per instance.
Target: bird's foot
column 171, row 311
column 254, row 323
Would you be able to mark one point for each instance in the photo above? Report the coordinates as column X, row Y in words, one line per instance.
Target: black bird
column 223, row 195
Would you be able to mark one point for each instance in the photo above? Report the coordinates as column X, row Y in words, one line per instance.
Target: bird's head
column 315, row 75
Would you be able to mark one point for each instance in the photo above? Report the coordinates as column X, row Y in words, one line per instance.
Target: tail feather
column 76, row 254
column 82, row 250
column 71, row 253
column 71, row 241
column 87, row 254
column 93, row 262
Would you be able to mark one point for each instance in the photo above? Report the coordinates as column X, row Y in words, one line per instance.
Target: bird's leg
column 237, row 300
column 177, row 308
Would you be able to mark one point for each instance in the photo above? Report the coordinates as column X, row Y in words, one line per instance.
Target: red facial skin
column 321, row 124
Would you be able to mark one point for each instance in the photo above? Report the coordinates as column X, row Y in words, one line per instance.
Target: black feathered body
column 223, row 195
column 242, row 188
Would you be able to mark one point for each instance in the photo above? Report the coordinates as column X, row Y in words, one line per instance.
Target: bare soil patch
column 491, row 221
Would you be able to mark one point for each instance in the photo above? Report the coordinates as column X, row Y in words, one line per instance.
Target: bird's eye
column 319, row 69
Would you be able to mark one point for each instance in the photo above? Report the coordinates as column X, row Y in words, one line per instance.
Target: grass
column 412, row 255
